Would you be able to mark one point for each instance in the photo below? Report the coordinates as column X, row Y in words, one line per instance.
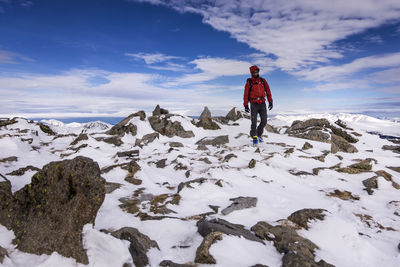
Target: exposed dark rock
column 176, row 144
column 180, row 167
column 164, row 126
column 202, row 147
column 187, row 174
column 133, row 180
column 208, row 124
column 205, row 114
column 202, row 253
column 362, row 166
column 396, row 169
column 234, row 115
column 81, row 137
column 229, row 156
column 252, row 163
column 301, row 217
column 48, row 214
column 289, row 151
column 5, row 122
column 344, row 195
column 240, row 203
column 206, row 160
column 340, row 144
column 159, row 111
column 132, row 167
column 139, row 244
column 299, row 173
column 3, row 254
column 205, row 227
column 161, row 163
column 21, row 171
column 342, row 124
column 9, row 159
column 388, row 177
column 214, row 141
column 141, row 114
column 310, row 129
column 124, row 127
column 169, row 263
column 395, row 149
column 188, row 183
column 370, row 184
column 129, row 205
column 259, row 265
column 306, row 146
column 298, row 251
column 46, row 129
column 129, row 154
column 343, row 134
column 148, row 138
column 114, row 140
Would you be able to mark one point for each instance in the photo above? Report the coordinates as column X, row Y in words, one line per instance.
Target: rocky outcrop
column 234, row 114
column 168, row 263
column 340, row 144
column 205, row 227
column 139, row 244
column 5, row 122
column 202, row 253
column 188, row 183
column 370, row 184
column 81, row 137
column 9, row 159
column 214, row 141
column 362, row 166
column 46, row 129
column 159, row 111
column 206, row 122
column 48, row 214
column 240, row 203
column 302, row 217
column 124, row 127
column 297, row 250
column 164, row 126
column 21, row 171
column 395, row 149
column 129, row 154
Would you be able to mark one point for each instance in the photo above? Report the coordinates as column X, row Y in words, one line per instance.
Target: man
column 254, row 92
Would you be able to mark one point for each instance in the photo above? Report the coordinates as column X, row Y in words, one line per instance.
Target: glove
column 270, row 106
column 246, row 109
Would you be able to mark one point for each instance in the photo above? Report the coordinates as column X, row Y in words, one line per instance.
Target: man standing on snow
column 254, row 92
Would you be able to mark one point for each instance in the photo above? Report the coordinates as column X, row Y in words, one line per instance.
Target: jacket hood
column 253, row 68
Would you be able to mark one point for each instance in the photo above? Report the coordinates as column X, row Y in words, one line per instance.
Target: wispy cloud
column 12, row 58
column 299, row 33
column 150, row 58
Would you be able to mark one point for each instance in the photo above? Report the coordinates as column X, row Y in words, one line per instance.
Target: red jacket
column 257, row 91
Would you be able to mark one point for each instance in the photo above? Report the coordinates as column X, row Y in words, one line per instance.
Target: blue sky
column 114, row 57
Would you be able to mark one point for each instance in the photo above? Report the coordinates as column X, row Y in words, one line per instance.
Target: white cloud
column 299, row 33
column 386, row 76
column 11, row 57
column 151, row 58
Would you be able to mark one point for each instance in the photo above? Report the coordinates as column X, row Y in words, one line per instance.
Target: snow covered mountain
column 170, row 177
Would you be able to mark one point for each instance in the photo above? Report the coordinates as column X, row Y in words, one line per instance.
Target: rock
column 298, row 251
column 229, row 156
column 240, row 203
column 148, row 138
column 309, row 129
column 259, row 265
column 214, row 141
column 80, row 137
column 289, row 151
column 362, row 166
column 202, row 147
column 252, row 163
column 3, row 254
column 342, row 124
column 208, row 124
column 187, row 174
column 129, row 205
column 202, row 253
column 234, row 115
column 114, row 140
column 124, row 127
column 269, row 128
column 396, row 169
column 205, row 227
column 161, row 163
column 139, row 244
column 159, row 111
column 168, row 128
column 344, row 195
column 46, row 129
column 9, row 159
column 5, row 122
column 314, row 135
column 188, row 183
column 169, row 263
column 395, row 149
column 141, row 114
column 306, row 146
column 176, row 144
column 129, row 154
column 21, row 171
column 371, row 183
column 205, row 114
column 111, row 187
column 48, row 214
column 301, row 217
column 388, row 177
column 340, row 144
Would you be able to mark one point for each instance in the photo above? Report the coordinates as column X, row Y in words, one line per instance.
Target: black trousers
column 256, row 109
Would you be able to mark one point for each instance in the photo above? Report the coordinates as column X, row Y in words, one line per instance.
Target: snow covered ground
column 343, row 237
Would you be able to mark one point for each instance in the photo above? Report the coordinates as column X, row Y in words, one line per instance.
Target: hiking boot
column 255, row 140
column 260, row 139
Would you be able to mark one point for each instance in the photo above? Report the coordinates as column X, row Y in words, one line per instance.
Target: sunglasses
column 256, row 71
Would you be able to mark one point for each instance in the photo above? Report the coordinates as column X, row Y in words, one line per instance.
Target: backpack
column 250, row 81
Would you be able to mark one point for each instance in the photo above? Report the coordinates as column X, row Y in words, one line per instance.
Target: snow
column 342, row 237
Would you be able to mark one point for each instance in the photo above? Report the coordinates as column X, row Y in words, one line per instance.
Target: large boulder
column 206, row 122
column 240, row 203
column 5, row 122
column 214, row 141
column 48, row 214
column 202, row 253
column 206, row 114
column 338, row 143
column 125, row 126
column 164, row 126
column 303, row 216
column 234, row 114
column 159, row 111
